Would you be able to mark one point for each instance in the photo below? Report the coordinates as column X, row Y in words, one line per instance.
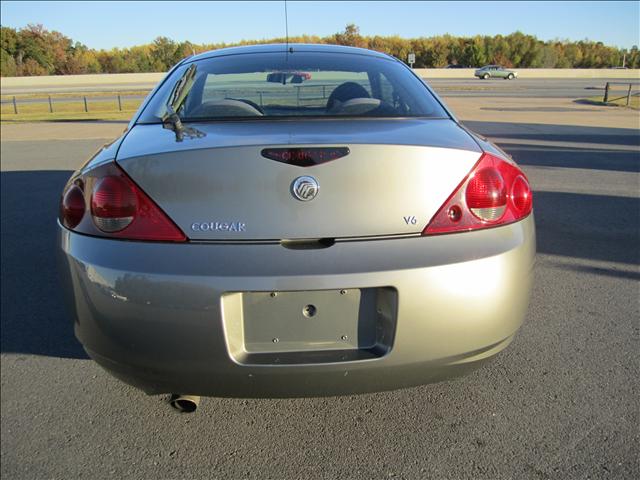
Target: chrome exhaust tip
column 184, row 403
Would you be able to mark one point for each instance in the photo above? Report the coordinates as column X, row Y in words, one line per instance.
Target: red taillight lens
column 521, row 194
column 119, row 208
column 113, row 203
column 494, row 193
column 72, row 207
column 486, row 194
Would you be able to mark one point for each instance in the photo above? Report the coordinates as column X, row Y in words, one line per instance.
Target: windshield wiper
column 171, row 119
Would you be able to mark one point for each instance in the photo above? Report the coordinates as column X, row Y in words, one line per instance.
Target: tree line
column 34, row 50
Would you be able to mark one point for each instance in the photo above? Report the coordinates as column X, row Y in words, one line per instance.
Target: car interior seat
column 346, row 91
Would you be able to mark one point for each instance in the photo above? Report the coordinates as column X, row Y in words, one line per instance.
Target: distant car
column 495, row 71
column 288, row 77
column 455, row 65
column 234, row 242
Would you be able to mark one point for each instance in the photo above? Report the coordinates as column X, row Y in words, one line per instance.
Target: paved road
column 561, row 402
column 537, row 88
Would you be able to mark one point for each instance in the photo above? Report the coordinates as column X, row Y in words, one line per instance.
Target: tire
column 510, row 76
column 485, row 76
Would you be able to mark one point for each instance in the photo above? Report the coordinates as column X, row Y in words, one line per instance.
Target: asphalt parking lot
column 561, row 402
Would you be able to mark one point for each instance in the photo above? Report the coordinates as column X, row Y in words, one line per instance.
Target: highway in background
column 543, row 88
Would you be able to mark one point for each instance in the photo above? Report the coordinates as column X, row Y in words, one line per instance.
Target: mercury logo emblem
column 305, row 188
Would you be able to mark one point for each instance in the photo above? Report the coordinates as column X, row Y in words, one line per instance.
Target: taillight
column 486, row 194
column 72, row 206
column 112, row 205
column 521, row 195
column 494, row 193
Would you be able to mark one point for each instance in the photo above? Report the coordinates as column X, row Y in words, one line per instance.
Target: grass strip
column 69, row 110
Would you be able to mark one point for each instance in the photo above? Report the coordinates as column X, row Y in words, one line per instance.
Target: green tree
column 7, row 64
column 140, row 58
column 80, row 59
column 32, row 45
column 473, row 53
column 350, row 37
column 549, row 56
column 163, row 53
column 8, row 40
column 633, row 58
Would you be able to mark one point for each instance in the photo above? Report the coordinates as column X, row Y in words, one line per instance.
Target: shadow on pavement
column 557, row 133
column 574, row 157
column 33, row 319
column 596, row 227
column 618, row 157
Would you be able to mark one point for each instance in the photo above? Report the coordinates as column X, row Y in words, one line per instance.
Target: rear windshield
column 301, row 84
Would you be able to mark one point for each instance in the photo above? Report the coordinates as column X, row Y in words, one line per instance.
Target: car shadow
column 595, row 227
column 565, row 146
column 33, row 319
column 561, row 133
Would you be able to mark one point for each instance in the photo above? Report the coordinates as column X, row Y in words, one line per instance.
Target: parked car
column 236, row 241
column 455, row 65
column 495, row 71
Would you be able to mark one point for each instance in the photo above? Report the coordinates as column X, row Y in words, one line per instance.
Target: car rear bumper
column 169, row 318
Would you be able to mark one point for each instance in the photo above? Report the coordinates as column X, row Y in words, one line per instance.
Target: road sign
column 412, row 59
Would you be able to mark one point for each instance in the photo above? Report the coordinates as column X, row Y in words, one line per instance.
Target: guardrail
column 608, row 88
column 115, row 102
column 84, row 102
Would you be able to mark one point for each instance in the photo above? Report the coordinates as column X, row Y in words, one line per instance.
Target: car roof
column 282, row 47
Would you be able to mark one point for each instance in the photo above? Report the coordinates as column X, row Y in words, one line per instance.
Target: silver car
column 296, row 220
column 495, row 71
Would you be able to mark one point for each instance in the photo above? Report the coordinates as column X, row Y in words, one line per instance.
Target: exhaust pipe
column 184, row 403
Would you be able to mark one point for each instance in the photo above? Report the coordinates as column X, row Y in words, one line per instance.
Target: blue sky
column 123, row 24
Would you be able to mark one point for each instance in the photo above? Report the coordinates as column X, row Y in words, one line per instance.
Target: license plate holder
column 312, row 326
column 302, row 321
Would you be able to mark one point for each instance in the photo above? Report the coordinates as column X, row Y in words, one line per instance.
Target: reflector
column 521, row 194
column 72, row 207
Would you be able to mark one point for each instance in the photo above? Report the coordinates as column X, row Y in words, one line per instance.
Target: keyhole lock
column 309, row 311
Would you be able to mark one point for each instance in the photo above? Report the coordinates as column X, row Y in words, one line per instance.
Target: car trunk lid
column 216, row 183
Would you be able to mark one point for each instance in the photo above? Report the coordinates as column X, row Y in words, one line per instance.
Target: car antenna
column 286, row 30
